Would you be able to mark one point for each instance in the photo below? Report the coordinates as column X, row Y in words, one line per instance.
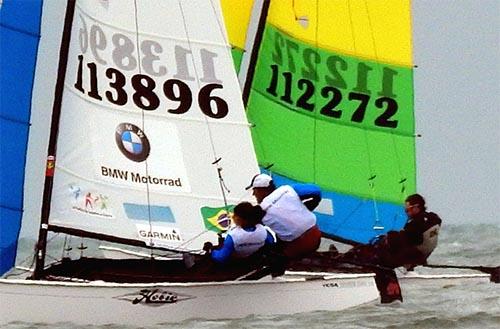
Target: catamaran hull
column 143, row 304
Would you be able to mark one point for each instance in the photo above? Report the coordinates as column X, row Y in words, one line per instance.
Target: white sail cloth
column 151, row 100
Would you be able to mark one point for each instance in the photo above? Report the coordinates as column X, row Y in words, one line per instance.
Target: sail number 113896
column 145, row 96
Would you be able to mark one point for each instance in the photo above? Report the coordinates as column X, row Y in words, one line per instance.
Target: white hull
column 416, row 278
column 413, row 278
column 99, row 303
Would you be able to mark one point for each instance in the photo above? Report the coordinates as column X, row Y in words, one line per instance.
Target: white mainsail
column 150, row 102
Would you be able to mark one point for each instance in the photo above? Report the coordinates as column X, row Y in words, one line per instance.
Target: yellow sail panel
column 237, row 16
column 375, row 30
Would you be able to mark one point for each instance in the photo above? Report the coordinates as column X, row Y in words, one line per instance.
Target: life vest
column 286, row 215
column 428, row 225
column 247, row 242
column 430, row 240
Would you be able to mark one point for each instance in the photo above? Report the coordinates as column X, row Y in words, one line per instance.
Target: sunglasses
column 411, row 207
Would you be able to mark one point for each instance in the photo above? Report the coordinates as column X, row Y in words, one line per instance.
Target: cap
column 260, row 180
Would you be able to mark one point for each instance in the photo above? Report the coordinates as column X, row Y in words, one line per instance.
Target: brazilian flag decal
column 217, row 219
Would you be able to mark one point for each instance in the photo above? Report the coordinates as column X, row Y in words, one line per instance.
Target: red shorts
column 305, row 244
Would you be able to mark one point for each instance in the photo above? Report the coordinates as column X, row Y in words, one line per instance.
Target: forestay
column 150, row 102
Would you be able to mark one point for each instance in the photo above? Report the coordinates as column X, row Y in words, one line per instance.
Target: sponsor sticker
column 154, row 297
column 149, row 212
column 132, row 142
column 147, row 156
column 89, row 202
column 158, row 235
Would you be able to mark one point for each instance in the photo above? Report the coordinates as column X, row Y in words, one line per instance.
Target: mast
column 254, row 39
column 51, row 150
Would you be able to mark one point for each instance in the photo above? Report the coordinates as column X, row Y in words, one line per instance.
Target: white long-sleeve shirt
column 286, row 215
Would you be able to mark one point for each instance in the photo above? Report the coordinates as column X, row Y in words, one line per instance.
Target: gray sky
column 457, row 88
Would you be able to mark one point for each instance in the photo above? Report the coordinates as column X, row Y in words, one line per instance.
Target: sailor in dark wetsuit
column 415, row 242
column 409, row 247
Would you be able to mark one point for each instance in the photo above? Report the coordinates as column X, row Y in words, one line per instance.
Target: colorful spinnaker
column 331, row 102
column 19, row 37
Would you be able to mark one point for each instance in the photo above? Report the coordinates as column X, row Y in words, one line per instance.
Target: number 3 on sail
column 107, row 66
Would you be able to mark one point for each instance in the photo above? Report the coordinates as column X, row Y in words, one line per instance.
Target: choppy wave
column 430, row 306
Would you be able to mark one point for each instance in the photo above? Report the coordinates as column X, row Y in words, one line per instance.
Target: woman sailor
column 246, row 238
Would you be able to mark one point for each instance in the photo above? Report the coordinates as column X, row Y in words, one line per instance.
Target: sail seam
column 176, row 193
column 11, row 208
column 158, row 36
column 15, row 29
column 21, row 122
column 343, row 52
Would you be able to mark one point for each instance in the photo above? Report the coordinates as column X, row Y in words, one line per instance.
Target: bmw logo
column 132, row 142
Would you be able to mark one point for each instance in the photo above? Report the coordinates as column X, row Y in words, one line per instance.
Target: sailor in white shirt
column 293, row 222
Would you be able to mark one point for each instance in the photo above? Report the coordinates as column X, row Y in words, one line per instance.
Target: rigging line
column 148, row 201
column 226, row 41
column 212, row 144
column 315, row 135
column 227, row 209
column 81, row 247
column 258, row 143
column 375, row 52
column 351, row 23
column 294, row 11
column 346, row 218
column 372, row 176
column 398, row 161
column 193, row 238
column 402, row 177
column 64, row 249
column 372, row 35
column 197, row 78
column 221, row 29
column 206, row 230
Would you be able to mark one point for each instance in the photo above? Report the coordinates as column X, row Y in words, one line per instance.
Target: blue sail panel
column 350, row 218
column 19, row 37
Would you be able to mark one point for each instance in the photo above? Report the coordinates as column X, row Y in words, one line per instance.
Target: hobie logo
column 132, row 142
column 154, row 297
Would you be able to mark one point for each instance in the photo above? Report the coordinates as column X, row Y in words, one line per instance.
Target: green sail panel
column 237, row 55
column 343, row 122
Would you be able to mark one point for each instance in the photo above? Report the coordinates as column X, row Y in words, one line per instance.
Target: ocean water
column 429, row 305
